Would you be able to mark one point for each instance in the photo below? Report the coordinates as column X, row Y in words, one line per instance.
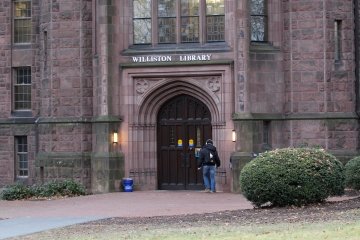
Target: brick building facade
column 164, row 76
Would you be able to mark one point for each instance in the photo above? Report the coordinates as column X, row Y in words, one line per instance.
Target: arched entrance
column 187, row 119
column 147, row 92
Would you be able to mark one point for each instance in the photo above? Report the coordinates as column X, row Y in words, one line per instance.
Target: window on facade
column 266, row 144
column 266, row 132
column 142, row 21
column 167, row 21
column 215, row 20
column 337, row 38
column 178, row 21
column 22, row 88
column 22, row 21
column 21, row 153
column 189, row 21
column 258, row 20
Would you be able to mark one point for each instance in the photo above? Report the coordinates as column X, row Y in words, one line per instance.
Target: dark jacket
column 204, row 156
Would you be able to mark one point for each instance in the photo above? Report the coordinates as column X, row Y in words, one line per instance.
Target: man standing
column 209, row 160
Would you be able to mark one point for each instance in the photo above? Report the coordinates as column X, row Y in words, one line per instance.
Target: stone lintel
column 106, row 119
column 169, row 49
column 169, row 64
column 61, row 120
column 293, row 116
column 263, row 48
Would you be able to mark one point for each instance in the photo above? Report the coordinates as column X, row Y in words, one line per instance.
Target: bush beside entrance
column 352, row 173
column 292, row 176
column 50, row 189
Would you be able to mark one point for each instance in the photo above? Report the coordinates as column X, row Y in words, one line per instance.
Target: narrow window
column 258, row 20
column 215, row 20
column 21, row 154
column 189, row 21
column 167, row 21
column 22, row 88
column 45, row 47
column 142, row 21
column 266, row 145
column 266, row 132
column 337, row 38
column 22, row 21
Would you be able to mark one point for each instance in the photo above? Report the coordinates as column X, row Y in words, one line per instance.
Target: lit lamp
column 115, row 137
column 233, row 135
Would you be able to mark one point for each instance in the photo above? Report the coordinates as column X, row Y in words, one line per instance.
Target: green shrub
column 54, row 188
column 292, row 176
column 15, row 192
column 73, row 188
column 47, row 190
column 59, row 188
column 40, row 191
column 352, row 173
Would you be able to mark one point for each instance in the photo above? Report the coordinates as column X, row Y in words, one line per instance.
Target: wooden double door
column 184, row 124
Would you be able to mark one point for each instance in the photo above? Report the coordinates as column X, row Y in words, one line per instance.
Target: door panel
column 185, row 118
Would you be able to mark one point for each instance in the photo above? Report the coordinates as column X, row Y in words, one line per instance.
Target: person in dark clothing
column 209, row 160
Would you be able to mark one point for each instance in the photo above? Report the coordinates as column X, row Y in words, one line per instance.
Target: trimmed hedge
column 50, row 189
column 292, row 176
column 352, row 173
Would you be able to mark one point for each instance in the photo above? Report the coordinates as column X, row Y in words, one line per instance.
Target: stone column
column 107, row 162
column 242, row 154
column 242, row 106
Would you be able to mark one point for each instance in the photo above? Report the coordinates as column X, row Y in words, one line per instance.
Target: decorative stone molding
column 220, row 124
column 141, row 86
column 142, row 125
column 213, row 84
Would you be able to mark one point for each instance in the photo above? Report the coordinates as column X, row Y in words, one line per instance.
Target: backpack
column 209, row 157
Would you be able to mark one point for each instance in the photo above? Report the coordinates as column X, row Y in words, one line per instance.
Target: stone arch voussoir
column 153, row 100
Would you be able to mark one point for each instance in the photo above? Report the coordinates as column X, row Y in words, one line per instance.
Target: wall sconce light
column 115, row 137
column 233, row 135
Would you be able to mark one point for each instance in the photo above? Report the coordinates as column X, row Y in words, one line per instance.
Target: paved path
column 25, row 217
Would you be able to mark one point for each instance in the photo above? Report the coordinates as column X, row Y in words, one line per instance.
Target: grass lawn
column 349, row 230
column 332, row 230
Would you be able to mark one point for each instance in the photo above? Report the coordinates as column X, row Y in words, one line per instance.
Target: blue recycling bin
column 127, row 184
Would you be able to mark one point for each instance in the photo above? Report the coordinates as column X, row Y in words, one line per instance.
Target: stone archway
column 145, row 95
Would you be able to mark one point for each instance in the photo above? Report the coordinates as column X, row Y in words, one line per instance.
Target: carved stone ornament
column 214, row 84
column 141, row 86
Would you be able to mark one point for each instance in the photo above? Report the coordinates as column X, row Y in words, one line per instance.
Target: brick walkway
column 124, row 204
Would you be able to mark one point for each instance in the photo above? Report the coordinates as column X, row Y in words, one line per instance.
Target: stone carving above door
column 213, row 84
column 141, row 86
